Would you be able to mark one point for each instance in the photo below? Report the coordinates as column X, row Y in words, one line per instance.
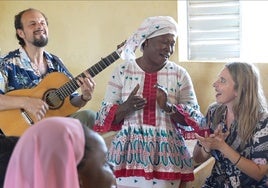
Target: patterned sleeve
column 260, row 143
column 110, row 103
column 187, row 92
column 189, row 108
column 3, row 78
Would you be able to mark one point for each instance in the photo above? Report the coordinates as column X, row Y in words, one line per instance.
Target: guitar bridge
column 26, row 117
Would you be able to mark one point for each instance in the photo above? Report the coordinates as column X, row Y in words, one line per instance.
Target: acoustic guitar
column 55, row 89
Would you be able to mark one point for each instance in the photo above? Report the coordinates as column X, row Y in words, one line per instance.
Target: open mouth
column 218, row 94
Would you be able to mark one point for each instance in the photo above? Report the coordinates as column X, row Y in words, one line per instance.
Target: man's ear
column 20, row 33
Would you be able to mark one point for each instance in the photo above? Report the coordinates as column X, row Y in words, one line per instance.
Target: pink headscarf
column 47, row 155
column 150, row 27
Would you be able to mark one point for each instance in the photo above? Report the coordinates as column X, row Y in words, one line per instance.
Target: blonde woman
column 239, row 125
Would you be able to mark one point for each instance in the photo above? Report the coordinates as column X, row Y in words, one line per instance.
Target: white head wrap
column 151, row 27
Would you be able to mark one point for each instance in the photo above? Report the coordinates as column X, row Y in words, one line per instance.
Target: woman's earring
column 146, row 43
column 80, row 182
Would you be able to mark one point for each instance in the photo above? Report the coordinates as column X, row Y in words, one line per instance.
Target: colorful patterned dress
column 225, row 173
column 148, row 144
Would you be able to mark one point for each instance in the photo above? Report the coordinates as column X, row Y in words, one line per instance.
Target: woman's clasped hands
column 214, row 141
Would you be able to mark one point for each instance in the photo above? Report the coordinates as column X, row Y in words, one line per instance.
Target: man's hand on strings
column 87, row 85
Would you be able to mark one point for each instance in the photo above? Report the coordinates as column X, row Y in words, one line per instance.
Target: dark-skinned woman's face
column 160, row 48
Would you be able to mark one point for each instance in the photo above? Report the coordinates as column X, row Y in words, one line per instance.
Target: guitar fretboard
column 103, row 63
column 68, row 88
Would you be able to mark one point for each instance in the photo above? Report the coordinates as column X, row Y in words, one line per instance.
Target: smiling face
column 158, row 49
column 34, row 29
column 225, row 88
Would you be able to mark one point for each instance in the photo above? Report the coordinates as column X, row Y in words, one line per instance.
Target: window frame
column 189, row 45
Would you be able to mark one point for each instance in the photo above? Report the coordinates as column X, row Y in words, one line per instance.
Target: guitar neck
column 68, row 88
column 102, row 64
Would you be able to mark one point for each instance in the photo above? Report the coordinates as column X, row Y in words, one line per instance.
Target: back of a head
column 47, row 155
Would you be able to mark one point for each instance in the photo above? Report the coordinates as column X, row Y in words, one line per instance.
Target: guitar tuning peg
column 122, row 44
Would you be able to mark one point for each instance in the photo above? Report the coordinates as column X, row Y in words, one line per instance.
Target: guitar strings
column 56, row 97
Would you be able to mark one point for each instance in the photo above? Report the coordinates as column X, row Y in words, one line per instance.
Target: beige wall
column 81, row 32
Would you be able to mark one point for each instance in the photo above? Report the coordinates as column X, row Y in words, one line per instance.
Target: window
column 220, row 30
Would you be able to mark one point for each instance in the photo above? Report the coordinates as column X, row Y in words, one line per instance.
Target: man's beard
column 40, row 42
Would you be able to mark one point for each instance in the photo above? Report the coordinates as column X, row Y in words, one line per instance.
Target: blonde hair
column 250, row 103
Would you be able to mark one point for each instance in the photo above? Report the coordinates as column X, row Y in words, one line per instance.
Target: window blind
column 213, row 29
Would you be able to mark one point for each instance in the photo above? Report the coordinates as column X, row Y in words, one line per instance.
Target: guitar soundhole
column 53, row 99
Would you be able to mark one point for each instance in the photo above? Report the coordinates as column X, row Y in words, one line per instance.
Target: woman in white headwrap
column 147, row 97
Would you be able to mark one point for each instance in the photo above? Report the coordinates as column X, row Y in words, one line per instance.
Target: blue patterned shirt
column 16, row 71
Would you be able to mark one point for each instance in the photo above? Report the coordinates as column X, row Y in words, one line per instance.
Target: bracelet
column 82, row 98
column 172, row 110
column 238, row 160
column 206, row 150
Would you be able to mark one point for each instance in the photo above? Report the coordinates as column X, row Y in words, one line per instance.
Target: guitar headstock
column 122, row 44
column 119, row 47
